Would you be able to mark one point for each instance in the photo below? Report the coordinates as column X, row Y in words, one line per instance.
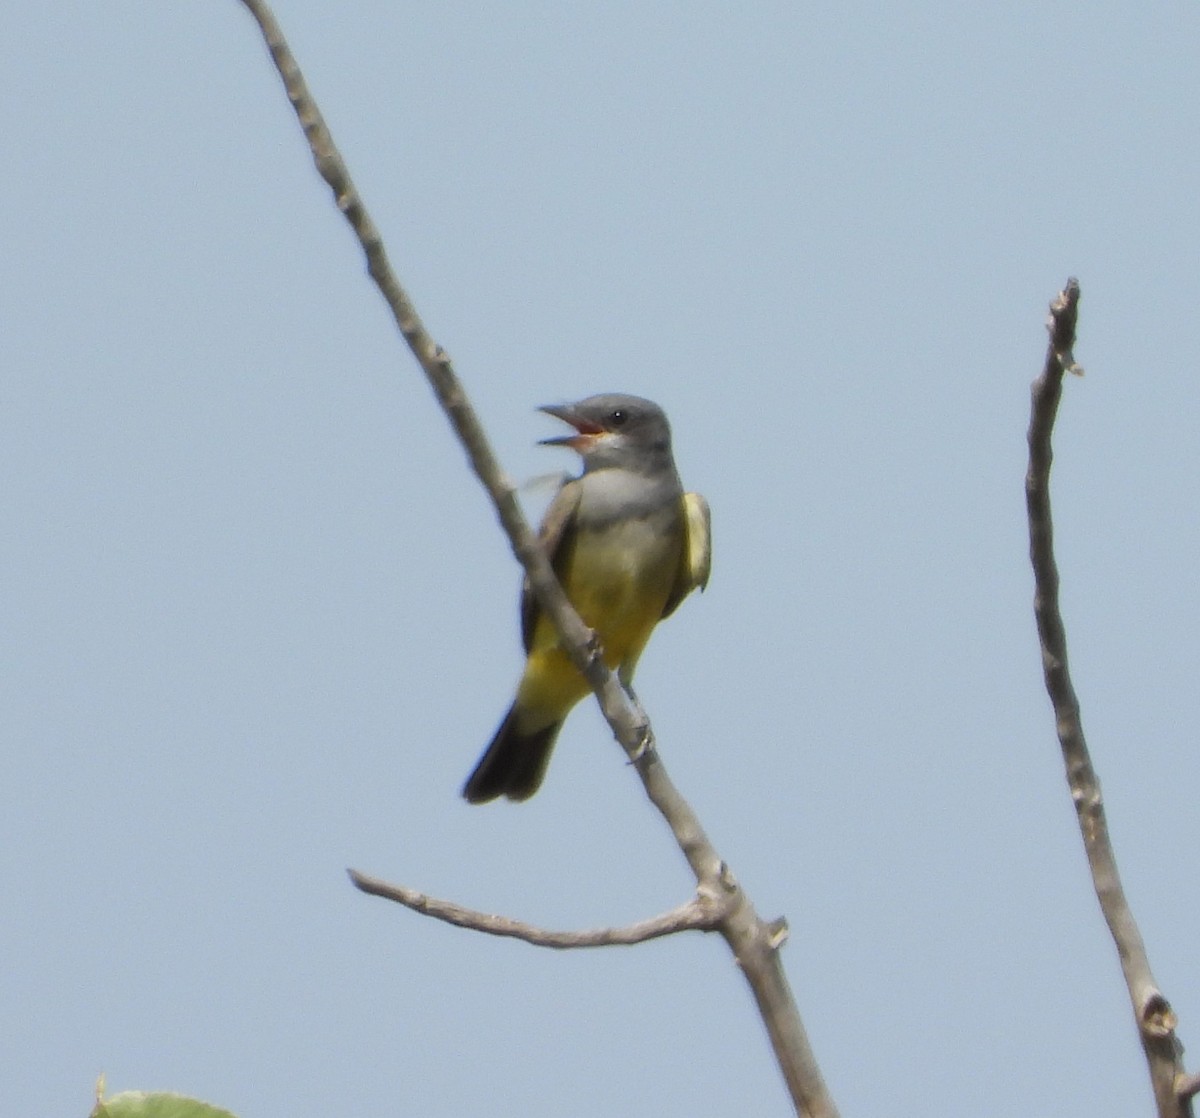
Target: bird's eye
column 617, row 419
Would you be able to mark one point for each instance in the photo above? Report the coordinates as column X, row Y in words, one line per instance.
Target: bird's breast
column 622, row 572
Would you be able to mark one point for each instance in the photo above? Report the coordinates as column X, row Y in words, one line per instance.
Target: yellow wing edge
column 698, row 557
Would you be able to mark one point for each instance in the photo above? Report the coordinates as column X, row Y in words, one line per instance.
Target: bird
column 628, row 545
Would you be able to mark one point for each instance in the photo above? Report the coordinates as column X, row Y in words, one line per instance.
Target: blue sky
column 257, row 620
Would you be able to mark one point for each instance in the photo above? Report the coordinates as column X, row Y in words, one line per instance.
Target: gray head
column 614, row 429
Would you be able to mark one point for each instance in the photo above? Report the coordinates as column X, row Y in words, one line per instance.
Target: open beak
column 586, row 431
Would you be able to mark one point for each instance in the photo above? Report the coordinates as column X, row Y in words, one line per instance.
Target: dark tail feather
column 513, row 765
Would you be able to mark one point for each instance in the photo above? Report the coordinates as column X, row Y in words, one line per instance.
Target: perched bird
column 628, row 545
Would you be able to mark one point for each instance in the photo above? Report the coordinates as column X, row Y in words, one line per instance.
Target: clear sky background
column 257, row 620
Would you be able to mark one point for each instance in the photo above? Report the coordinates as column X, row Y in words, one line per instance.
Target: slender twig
column 698, row 914
column 1155, row 1018
column 754, row 942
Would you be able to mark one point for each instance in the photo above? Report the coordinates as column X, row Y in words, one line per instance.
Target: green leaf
column 155, row 1104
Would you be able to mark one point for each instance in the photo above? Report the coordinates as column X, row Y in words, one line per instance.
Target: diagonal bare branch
column 699, row 914
column 1155, row 1018
column 754, row 942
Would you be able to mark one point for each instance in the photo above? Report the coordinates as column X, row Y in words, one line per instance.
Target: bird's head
column 612, row 429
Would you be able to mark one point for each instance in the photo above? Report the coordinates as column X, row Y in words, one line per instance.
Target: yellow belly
column 619, row 581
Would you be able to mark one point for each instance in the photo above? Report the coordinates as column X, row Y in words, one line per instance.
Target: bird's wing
column 695, row 562
column 557, row 537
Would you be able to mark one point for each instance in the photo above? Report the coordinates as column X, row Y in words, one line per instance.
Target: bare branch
column 754, row 943
column 698, row 914
column 1155, row 1018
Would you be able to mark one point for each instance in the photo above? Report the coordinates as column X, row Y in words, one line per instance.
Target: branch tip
column 777, row 932
column 1187, row 1086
